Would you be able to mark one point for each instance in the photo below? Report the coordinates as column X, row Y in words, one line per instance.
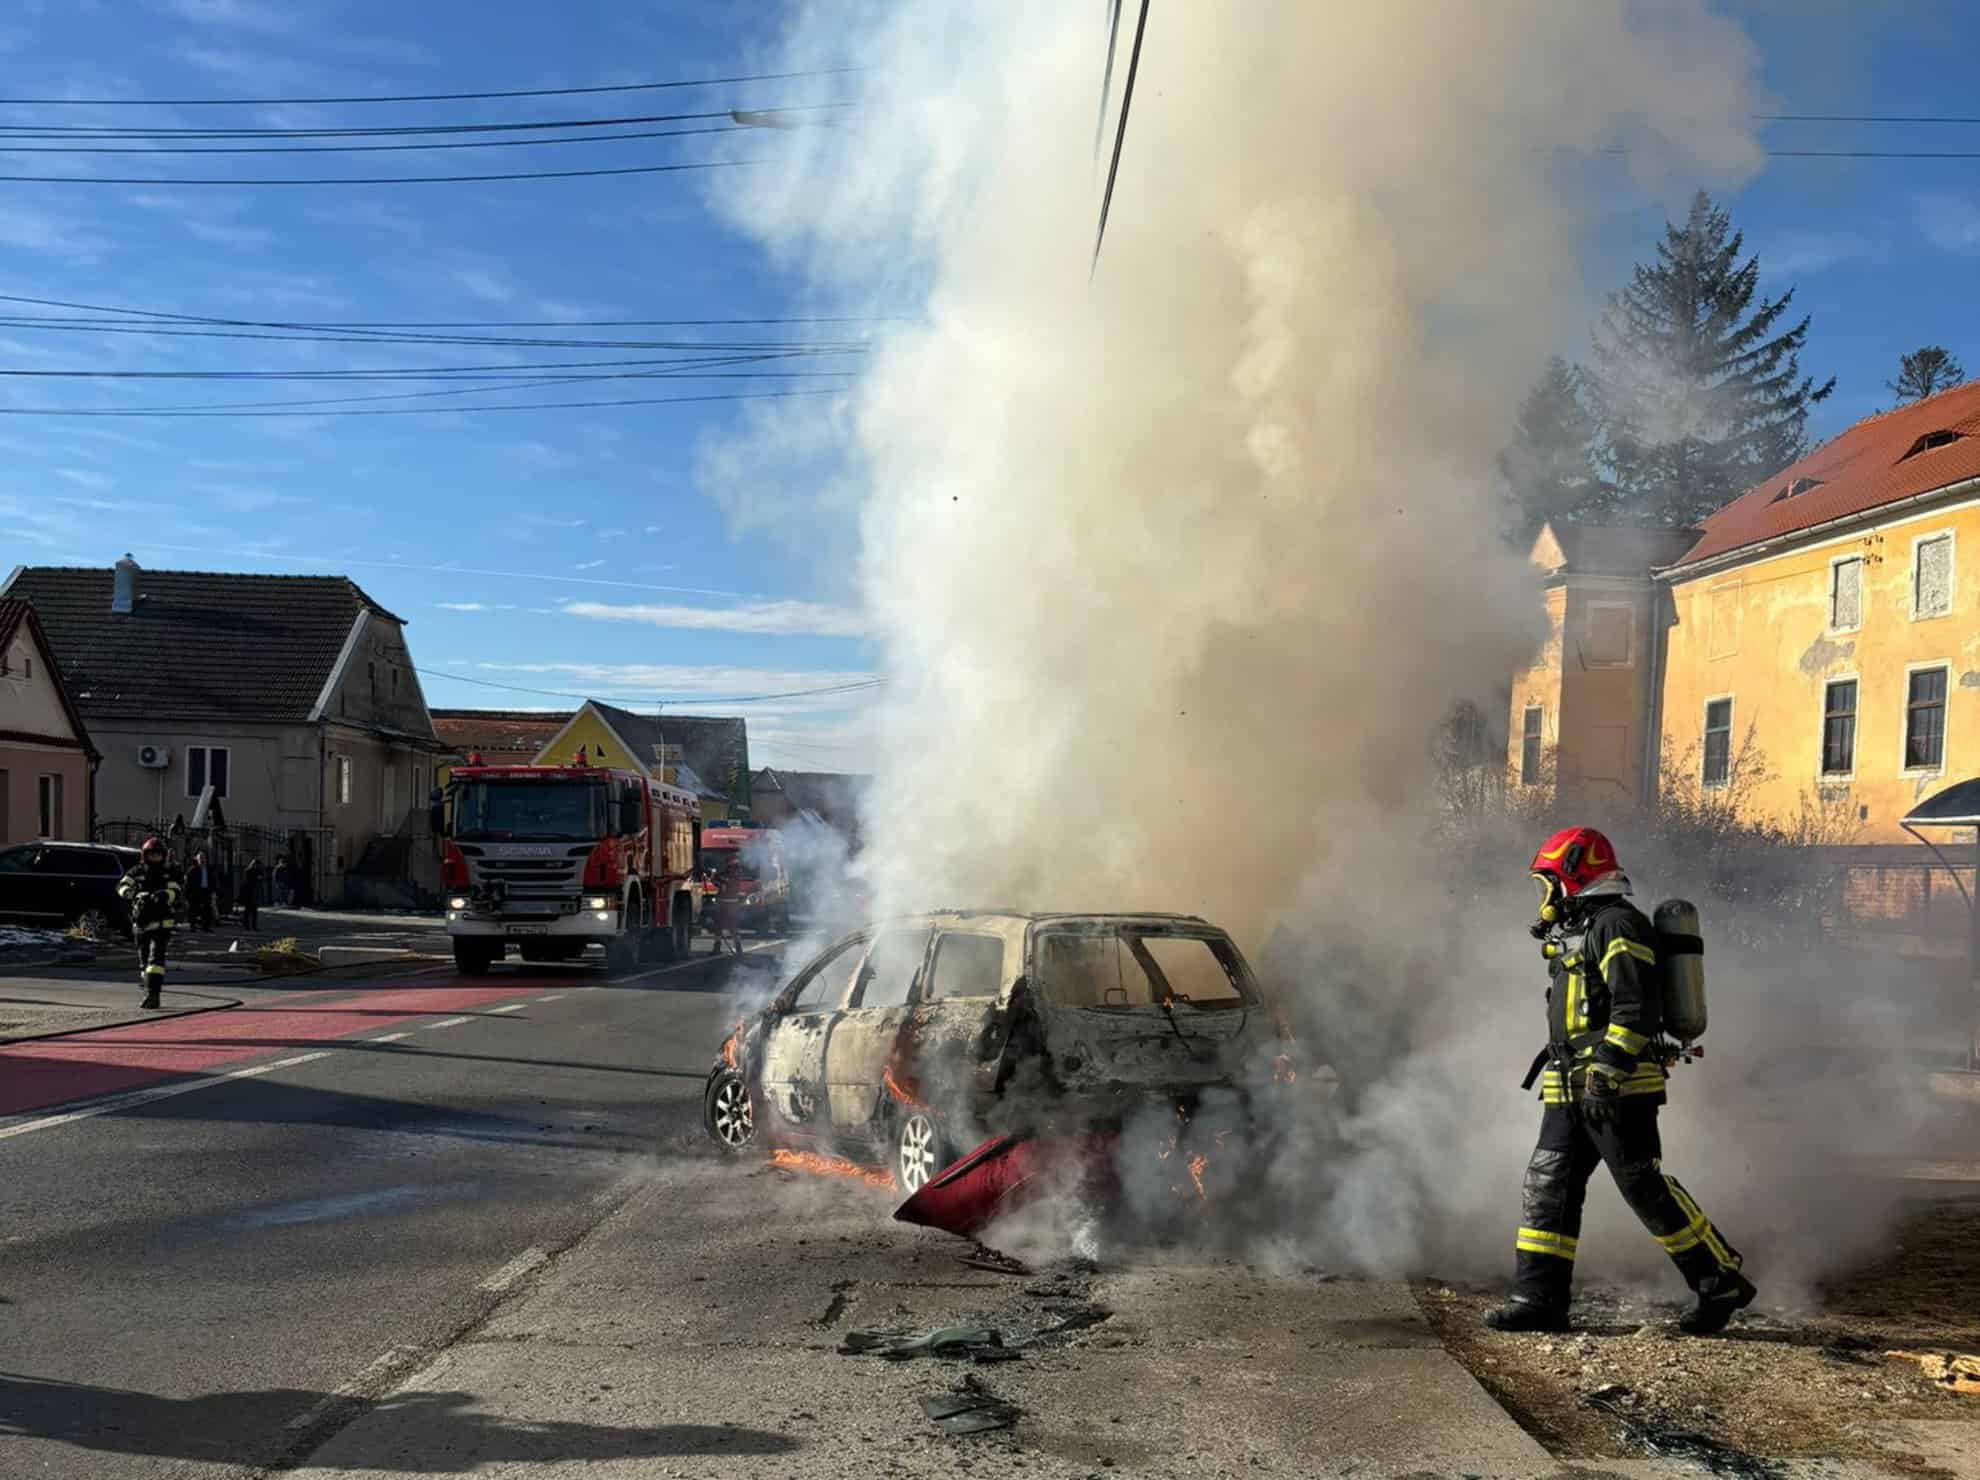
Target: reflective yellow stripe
column 1624, row 1039
column 1620, row 947
column 1706, row 1233
column 1539, row 1241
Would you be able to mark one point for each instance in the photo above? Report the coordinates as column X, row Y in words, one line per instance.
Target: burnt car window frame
column 787, row 1000
column 857, row 1002
column 1125, row 934
column 932, row 965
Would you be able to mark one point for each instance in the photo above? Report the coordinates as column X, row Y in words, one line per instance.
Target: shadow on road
column 453, row 1437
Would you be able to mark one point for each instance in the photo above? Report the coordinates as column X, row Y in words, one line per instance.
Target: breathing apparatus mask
column 1553, row 911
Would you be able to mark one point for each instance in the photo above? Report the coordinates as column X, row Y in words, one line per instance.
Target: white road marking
column 320, row 1410
column 161, row 1092
column 514, row 1270
column 447, row 1023
column 511, row 1007
column 553, row 997
column 389, row 1037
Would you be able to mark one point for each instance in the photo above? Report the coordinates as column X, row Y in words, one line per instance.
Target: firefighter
column 1602, row 1086
column 154, row 895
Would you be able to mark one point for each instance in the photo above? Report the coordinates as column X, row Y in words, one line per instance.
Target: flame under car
column 906, row 1043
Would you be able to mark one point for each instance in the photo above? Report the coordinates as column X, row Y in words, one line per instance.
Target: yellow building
column 709, row 755
column 1581, row 712
column 1823, row 647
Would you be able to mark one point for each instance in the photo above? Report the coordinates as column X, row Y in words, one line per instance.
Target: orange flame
column 894, row 1087
column 729, row 1045
column 830, row 1166
column 1196, row 1165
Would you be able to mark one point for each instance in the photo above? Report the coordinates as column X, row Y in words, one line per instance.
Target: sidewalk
column 695, row 1333
column 32, row 1006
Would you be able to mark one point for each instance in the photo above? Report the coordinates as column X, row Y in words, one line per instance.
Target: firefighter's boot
column 1520, row 1313
column 1719, row 1298
column 154, row 980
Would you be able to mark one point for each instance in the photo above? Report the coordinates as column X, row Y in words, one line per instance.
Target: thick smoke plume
column 1174, row 571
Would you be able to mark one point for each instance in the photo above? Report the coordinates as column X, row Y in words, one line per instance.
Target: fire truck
column 551, row 859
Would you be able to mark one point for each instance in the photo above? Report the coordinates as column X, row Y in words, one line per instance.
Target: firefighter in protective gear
column 156, row 899
column 1602, row 1084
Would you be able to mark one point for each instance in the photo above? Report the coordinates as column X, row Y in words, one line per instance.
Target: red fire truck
column 554, row 858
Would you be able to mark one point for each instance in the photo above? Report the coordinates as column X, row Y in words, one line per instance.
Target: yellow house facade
column 662, row 749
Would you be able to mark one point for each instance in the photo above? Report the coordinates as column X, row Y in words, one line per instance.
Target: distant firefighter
column 155, row 897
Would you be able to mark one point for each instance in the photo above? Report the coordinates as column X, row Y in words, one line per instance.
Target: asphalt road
column 292, row 1203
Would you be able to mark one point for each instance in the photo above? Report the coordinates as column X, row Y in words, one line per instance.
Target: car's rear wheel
column 920, row 1150
column 728, row 1112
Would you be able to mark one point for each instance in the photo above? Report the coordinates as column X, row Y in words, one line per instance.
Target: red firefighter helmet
column 150, row 845
column 1575, row 857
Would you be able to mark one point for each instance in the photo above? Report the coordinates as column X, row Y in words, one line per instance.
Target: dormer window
column 1930, row 442
column 1798, row 486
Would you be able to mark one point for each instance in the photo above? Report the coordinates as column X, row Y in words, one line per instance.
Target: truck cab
column 764, row 883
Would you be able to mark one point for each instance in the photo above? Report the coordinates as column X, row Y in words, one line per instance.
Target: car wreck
column 907, row 1043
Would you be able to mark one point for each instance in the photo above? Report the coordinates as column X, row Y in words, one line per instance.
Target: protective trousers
column 1557, row 1183
column 151, row 957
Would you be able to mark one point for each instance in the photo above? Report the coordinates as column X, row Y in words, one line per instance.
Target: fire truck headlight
column 458, row 902
column 604, row 916
column 598, row 902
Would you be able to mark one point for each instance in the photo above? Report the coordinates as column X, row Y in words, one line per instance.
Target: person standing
column 1603, row 1084
column 199, row 893
column 729, row 887
column 251, row 895
column 153, row 892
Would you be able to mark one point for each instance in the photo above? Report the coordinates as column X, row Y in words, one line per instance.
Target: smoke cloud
column 1174, row 571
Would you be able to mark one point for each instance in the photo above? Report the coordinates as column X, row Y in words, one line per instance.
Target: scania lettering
column 554, row 859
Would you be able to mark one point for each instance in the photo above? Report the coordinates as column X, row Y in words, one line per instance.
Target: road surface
column 218, row 1231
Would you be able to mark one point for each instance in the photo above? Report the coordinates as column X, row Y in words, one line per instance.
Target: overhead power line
column 168, row 181
column 8, row 147
column 370, row 131
column 457, row 97
column 857, row 687
column 244, row 411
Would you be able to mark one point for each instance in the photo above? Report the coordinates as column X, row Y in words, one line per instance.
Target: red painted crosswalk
column 86, row 1066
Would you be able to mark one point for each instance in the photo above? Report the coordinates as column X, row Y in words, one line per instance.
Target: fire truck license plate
column 529, row 930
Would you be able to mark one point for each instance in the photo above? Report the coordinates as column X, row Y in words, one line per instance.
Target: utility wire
column 172, row 411
column 376, row 338
column 459, row 97
column 166, row 181
column 26, row 319
column 370, row 131
column 7, row 146
column 1120, row 133
column 437, row 372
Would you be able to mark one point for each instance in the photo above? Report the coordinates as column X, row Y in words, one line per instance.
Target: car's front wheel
column 920, row 1150
column 728, row 1112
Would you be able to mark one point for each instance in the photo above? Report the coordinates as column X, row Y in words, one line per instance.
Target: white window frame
column 1704, row 732
column 341, row 778
column 1829, row 595
column 220, row 794
column 1952, row 576
column 1904, row 719
column 1628, row 609
column 1838, row 778
column 1540, row 760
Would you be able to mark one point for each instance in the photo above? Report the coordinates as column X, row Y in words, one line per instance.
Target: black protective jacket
column 1605, row 1006
column 154, row 894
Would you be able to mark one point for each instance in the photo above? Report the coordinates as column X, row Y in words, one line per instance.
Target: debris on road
column 1955, row 1373
column 971, row 1409
column 947, row 1343
column 983, row 1257
column 1658, row 1435
column 818, row 1164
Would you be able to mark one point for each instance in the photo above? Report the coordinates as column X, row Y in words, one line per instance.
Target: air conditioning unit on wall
column 154, row 757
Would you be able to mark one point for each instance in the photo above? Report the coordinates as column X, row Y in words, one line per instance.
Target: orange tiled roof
column 1879, row 461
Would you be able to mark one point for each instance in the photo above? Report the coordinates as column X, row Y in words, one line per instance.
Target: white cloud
column 1802, row 253
column 588, row 565
column 474, row 606
column 781, row 618
column 488, row 286
column 240, row 499
column 655, row 529
column 1950, row 219
column 85, row 477
column 708, row 680
column 613, row 534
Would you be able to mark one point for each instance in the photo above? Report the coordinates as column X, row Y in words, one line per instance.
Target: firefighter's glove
column 1600, row 1098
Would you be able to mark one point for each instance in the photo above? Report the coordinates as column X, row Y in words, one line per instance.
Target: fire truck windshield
column 531, row 811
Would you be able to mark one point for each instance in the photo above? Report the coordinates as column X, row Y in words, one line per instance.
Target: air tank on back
column 1683, row 955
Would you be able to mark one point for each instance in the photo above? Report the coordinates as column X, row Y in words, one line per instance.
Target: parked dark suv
column 58, row 884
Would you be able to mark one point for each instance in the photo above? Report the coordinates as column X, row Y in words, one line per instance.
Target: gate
column 309, row 853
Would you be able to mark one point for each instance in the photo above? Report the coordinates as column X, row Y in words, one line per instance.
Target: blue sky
column 617, row 575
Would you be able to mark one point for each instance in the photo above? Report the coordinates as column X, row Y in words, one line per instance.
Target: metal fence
column 299, row 860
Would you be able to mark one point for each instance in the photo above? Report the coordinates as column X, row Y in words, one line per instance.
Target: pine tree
column 1550, row 467
column 1699, row 387
column 1925, row 372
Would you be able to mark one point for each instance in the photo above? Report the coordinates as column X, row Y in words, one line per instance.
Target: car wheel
column 473, row 957
column 920, row 1150
column 728, row 1112
column 622, row 952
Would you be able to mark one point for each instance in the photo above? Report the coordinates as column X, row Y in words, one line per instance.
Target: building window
column 1932, row 576
column 1839, row 728
column 1606, row 635
column 343, row 781
column 48, row 793
column 1529, row 747
column 1846, row 594
column 1718, row 742
column 207, row 763
column 1925, row 720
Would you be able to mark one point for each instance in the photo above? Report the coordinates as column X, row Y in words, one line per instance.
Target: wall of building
column 22, row 765
column 271, row 771
column 388, row 785
column 1761, row 635
column 1539, row 685
column 29, row 702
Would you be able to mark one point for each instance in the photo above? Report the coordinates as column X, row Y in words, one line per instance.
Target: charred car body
column 907, row 1042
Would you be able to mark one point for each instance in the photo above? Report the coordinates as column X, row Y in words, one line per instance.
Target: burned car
column 906, row 1043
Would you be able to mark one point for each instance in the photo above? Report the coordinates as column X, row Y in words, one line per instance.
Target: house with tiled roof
column 707, row 754
column 1814, row 644
column 47, row 762
column 292, row 700
column 831, row 798
column 501, row 737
